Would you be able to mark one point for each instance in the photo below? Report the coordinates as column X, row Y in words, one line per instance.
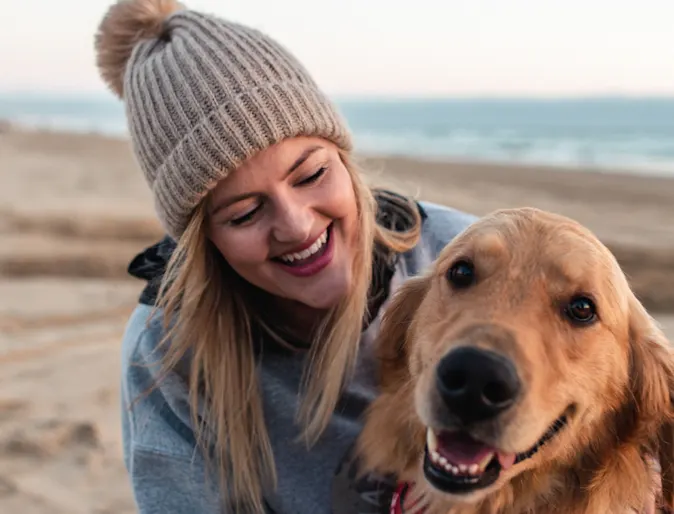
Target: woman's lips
column 308, row 266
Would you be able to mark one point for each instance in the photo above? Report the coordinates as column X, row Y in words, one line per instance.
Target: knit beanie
column 202, row 95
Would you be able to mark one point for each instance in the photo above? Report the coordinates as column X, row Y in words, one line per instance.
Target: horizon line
column 384, row 97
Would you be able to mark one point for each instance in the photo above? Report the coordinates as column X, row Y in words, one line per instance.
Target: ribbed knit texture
column 208, row 95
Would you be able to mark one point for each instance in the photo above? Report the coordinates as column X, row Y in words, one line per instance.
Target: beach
column 74, row 210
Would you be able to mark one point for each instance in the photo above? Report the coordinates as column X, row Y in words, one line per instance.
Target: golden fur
column 616, row 376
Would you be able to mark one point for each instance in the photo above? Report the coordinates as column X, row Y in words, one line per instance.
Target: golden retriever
column 520, row 374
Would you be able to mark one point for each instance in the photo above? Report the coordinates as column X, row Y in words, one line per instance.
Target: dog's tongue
column 460, row 448
column 506, row 459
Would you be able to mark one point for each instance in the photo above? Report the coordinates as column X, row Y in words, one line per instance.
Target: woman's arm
column 165, row 466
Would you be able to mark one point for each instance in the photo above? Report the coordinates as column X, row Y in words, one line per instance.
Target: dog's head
column 523, row 348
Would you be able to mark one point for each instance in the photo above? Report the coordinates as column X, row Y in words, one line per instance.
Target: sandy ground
column 74, row 210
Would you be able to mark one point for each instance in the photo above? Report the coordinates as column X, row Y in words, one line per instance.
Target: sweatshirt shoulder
column 156, row 404
column 442, row 224
column 142, row 337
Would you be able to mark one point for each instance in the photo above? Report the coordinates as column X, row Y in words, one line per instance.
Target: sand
column 74, row 210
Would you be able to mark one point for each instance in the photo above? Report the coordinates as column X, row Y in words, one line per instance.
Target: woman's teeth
column 304, row 254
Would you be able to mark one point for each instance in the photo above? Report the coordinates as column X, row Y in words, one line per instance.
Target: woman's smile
column 309, row 259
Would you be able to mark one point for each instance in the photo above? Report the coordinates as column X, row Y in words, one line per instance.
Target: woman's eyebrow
column 303, row 157
column 230, row 201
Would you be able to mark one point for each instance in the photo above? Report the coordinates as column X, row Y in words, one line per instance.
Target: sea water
column 634, row 135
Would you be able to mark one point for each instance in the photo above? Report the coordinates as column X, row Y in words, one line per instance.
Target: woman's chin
column 322, row 298
column 325, row 292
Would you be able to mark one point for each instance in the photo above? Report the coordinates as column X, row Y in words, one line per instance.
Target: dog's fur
column 618, row 374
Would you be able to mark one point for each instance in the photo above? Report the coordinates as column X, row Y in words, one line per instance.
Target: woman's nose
column 292, row 223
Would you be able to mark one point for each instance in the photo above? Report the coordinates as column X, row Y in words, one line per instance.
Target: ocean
column 633, row 135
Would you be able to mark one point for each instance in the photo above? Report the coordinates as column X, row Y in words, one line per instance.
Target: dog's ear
column 389, row 441
column 394, row 331
column 652, row 384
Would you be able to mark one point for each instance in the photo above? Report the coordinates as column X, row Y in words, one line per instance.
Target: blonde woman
column 247, row 363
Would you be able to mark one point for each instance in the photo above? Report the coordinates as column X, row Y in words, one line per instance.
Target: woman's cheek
column 240, row 244
column 339, row 195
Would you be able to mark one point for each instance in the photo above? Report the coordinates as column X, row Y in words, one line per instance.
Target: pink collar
column 399, row 497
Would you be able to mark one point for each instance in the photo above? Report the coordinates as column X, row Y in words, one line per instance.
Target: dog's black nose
column 476, row 384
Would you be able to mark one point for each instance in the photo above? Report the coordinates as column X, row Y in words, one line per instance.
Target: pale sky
column 390, row 47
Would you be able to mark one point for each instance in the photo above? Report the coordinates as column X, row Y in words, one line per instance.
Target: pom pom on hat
column 124, row 25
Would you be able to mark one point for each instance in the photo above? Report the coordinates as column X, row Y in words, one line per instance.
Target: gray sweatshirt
column 167, row 470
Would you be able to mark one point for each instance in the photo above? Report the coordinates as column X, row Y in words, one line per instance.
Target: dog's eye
column 461, row 274
column 581, row 310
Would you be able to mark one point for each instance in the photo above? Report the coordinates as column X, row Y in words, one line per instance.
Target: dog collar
column 399, row 497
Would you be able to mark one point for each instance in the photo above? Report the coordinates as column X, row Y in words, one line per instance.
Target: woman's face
column 286, row 221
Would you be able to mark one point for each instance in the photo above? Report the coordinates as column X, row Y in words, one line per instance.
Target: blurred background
column 567, row 106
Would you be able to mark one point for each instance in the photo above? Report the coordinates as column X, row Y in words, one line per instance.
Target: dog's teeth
column 431, row 440
column 482, row 465
column 456, row 469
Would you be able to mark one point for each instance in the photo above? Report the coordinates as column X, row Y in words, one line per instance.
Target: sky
column 390, row 48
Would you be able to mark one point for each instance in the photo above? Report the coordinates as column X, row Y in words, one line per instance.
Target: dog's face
column 509, row 354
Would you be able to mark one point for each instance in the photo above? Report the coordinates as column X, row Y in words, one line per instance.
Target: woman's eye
column 246, row 217
column 314, row 177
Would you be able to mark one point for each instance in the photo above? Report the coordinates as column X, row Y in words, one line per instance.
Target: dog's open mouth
column 456, row 463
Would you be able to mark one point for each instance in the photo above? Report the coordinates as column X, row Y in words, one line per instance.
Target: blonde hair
column 207, row 313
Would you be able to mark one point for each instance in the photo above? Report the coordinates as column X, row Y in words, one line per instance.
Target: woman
column 248, row 362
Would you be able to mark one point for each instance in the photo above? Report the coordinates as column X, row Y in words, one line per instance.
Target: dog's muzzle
column 475, row 386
